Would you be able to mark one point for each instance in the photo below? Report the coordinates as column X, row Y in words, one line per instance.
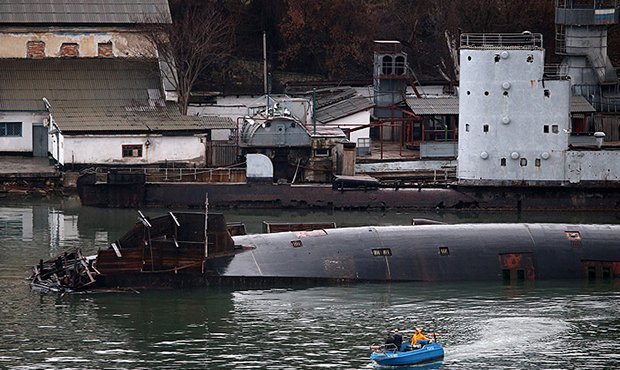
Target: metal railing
column 211, row 175
column 555, row 72
column 485, row 40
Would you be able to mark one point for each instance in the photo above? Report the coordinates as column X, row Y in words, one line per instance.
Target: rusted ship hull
column 172, row 251
column 133, row 194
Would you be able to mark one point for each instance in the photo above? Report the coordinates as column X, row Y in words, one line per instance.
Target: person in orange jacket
column 419, row 339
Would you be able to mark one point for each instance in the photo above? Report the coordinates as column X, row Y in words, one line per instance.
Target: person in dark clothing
column 398, row 339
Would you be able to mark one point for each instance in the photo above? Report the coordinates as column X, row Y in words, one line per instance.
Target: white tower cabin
column 513, row 118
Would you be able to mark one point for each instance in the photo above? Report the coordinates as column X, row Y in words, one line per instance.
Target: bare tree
column 200, row 36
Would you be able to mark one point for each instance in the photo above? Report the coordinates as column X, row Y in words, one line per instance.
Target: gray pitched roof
column 579, row 104
column 450, row 105
column 343, row 108
column 95, row 95
column 84, row 11
column 434, row 106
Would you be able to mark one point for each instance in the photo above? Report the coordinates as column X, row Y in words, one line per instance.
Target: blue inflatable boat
column 389, row 355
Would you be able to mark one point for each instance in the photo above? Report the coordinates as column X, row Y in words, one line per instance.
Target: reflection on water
column 488, row 326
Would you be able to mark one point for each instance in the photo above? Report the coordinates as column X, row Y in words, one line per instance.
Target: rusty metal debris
column 68, row 273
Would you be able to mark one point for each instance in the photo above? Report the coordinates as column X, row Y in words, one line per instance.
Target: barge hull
column 267, row 195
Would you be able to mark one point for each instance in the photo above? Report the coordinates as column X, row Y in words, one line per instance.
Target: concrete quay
column 28, row 176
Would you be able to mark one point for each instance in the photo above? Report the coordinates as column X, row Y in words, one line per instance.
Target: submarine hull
column 465, row 252
column 190, row 249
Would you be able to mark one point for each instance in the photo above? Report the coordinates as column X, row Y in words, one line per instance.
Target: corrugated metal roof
column 95, row 95
column 217, row 122
column 439, row 106
column 79, row 82
column 343, row 108
column 329, row 96
column 84, row 11
column 434, row 106
column 579, row 104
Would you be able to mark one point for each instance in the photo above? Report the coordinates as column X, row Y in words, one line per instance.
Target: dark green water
column 551, row 325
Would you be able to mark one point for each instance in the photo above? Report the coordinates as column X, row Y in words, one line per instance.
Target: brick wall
column 69, row 50
column 35, row 49
column 104, row 50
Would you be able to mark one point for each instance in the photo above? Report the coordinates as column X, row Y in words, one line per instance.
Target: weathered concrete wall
column 108, row 149
column 94, row 43
column 21, row 143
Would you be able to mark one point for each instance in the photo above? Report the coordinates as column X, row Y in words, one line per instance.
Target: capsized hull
column 171, row 251
column 463, row 252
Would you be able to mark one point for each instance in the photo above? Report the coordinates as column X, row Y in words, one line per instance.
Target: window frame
column 127, row 150
column 5, row 129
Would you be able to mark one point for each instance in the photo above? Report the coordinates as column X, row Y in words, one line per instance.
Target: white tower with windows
column 514, row 121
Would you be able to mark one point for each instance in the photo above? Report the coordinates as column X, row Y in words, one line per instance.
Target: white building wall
column 353, row 121
column 507, row 111
column 22, row 143
column 91, row 149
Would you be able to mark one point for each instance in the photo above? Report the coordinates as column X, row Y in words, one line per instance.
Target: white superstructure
column 514, row 118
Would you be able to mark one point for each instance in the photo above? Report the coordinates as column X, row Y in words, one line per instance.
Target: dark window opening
column 523, row 162
column 505, row 93
column 11, row 129
column 537, row 162
column 467, row 127
column 132, row 151
column 547, row 93
column 591, row 273
column 399, row 65
column 378, row 252
column 555, row 129
column 486, row 93
column 506, row 275
column 321, row 152
column 573, row 235
column 485, row 128
column 386, row 65
column 468, row 92
column 502, row 162
column 469, row 58
column 606, row 273
column 546, row 129
column 497, row 58
column 520, row 275
column 530, row 58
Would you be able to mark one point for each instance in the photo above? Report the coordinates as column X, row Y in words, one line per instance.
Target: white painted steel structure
column 514, row 119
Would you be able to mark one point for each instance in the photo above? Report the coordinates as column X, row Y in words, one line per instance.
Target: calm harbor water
column 548, row 324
